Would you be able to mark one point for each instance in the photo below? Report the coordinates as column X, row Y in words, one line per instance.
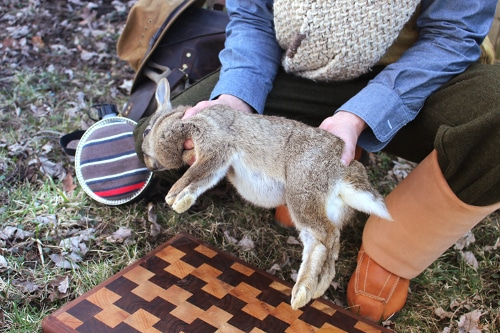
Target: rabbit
column 270, row 161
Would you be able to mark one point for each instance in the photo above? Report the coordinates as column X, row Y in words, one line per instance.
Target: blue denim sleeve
column 450, row 34
column 251, row 55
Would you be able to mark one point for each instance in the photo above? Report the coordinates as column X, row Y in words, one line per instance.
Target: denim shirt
column 450, row 34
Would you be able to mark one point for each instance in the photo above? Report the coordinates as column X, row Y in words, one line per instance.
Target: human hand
column 229, row 100
column 347, row 126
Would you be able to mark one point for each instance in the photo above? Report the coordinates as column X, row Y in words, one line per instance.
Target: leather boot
column 428, row 219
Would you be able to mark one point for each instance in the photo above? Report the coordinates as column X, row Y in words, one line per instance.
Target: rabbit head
column 163, row 138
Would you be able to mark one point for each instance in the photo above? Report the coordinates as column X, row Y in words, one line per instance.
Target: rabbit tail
column 363, row 198
column 356, row 192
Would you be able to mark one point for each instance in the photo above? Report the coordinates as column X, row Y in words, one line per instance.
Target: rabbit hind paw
column 301, row 295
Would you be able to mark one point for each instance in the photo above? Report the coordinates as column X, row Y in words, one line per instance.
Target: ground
column 58, row 58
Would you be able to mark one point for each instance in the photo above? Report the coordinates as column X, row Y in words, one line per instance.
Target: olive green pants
column 461, row 121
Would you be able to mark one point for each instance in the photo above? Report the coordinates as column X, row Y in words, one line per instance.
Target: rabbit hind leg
column 320, row 238
column 319, row 224
column 314, row 255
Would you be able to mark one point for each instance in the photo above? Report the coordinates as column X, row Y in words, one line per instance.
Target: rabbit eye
column 146, row 132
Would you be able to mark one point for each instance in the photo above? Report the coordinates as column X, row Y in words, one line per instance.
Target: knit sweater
column 308, row 30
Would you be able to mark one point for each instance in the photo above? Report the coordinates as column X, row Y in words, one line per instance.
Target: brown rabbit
column 271, row 161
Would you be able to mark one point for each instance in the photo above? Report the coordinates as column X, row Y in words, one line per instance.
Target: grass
column 39, row 104
column 37, row 204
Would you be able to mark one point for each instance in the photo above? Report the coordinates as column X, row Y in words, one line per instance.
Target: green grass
column 39, row 104
column 41, row 207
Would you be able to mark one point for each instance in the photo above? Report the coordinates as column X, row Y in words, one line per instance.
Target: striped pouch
column 107, row 166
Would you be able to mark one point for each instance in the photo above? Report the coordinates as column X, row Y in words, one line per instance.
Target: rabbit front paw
column 182, row 202
column 170, row 198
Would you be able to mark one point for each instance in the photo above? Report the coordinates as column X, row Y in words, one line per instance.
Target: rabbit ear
column 163, row 95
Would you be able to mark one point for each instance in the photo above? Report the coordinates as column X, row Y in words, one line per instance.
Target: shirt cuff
column 383, row 111
column 249, row 87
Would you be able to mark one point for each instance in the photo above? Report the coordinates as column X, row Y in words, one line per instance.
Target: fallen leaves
column 469, row 322
column 3, row 262
column 73, row 249
column 59, row 287
column 68, row 184
column 401, row 169
column 25, row 286
column 155, row 228
column 122, row 235
column 14, row 234
column 29, row 40
column 245, row 243
column 443, row 314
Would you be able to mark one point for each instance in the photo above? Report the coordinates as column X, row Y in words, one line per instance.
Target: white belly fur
column 255, row 186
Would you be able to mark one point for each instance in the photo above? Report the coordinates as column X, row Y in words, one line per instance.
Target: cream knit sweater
column 332, row 40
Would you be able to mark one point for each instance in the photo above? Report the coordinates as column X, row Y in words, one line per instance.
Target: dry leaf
column 47, row 219
column 442, row 314
column 155, row 228
column 49, row 168
column 38, row 42
column 3, row 262
column 230, row 239
column 292, row 241
column 63, row 285
column 294, row 275
column 470, row 259
column 76, row 244
column 469, row 322
column 26, row 286
column 465, row 241
column 126, row 85
column 119, row 6
column 246, row 243
column 86, row 55
column 495, row 246
column 69, row 72
column 335, row 285
column 456, row 303
column 401, row 169
column 60, row 287
column 68, row 184
column 274, row 268
column 120, row 235
column 61, row 262
column 18, row 149
column 14, row 233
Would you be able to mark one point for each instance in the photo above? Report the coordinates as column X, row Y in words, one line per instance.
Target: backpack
column 179, row 40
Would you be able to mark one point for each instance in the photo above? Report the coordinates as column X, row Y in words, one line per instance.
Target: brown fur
column 271, row 161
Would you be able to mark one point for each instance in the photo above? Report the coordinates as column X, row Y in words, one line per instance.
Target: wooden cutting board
column 188, row 286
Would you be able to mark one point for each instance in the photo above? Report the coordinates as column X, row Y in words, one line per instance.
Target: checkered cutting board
column 188, row 286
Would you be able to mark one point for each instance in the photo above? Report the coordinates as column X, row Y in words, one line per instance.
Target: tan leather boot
column 428, row 219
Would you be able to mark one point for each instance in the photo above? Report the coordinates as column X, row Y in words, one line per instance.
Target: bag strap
column 66, row 139
column 103, row 111
column 139, row 101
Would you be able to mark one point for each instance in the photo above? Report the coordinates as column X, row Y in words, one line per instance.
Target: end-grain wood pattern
column 188, row 286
